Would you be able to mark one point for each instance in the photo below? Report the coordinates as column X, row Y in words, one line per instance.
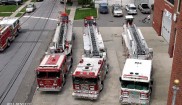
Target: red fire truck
column 52, row 72
column 9, row 28
column 88, row 78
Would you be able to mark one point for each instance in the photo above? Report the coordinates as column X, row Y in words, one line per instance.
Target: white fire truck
column 9, row 28
column 52, row 72
column 136, row 79
column 63, row 37
column 88, row 78
column 92, row 39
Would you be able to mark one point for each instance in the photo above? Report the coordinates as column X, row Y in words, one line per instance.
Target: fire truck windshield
column 48, row 74
column 79, row 80
column 135, row 85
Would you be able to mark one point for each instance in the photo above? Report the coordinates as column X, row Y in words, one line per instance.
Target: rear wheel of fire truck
column 102, row 86
column 8, row 43
column 64, row 79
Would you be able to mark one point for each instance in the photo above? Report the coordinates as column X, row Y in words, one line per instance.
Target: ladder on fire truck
column 62, row 36
column 140, row 48
column 95, row 51
column 135, row 41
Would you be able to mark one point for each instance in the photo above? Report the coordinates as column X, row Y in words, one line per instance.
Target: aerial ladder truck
column 88, row 77
column 136, row 79
column 57, row 62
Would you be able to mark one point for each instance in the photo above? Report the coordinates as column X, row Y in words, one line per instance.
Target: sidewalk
column 72, row 11
column 20, row 8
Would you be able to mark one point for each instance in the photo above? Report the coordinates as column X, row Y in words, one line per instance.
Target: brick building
column 167, row 22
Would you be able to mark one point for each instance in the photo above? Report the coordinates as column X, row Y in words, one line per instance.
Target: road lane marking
column 41, row 18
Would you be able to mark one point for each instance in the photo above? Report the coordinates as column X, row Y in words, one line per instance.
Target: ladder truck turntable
column 136, row 79
column 88, row 77
column 9, row 29
column 55, row 65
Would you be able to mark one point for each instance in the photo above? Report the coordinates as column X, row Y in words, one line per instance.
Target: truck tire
column 8, row 43
column 102, row 86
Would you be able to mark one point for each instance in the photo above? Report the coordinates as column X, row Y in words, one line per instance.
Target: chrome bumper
column 86, row 96
column 127, row 100
column 49, row 89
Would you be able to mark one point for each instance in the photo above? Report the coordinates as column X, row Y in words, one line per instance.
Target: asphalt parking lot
column 107, row 20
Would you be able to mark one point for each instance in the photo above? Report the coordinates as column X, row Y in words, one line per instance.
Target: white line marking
column 40, row 18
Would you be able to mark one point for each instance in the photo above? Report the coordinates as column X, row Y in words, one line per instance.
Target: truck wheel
column 102, row 86
column 64, row 80
column 8, row 43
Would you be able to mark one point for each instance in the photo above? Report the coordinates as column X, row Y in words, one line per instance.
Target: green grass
column 19, row 14
column 5, row 14
column 82, row 13
column 8, row 8
column 68, row 11
column 23, row 10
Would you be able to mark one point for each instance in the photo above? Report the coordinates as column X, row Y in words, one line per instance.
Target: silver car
column 131, row 9
column 30, row 8
column 116, row 10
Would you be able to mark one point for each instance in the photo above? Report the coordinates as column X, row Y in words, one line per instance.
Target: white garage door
column 166, row 25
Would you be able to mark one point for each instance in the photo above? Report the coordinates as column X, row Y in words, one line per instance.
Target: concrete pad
column 110, row 95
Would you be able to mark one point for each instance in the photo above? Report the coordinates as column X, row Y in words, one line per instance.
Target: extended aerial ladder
column 93, row 43
column 62, row 41
column 136, row 46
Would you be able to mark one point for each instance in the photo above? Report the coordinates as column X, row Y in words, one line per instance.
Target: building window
column 179, row 6
column 171, row 1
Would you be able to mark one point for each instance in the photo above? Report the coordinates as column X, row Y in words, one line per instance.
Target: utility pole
column 175, row 89
column 65, row 5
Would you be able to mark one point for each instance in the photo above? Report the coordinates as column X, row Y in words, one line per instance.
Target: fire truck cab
column 9, row 28
column 136, row 82
column 52, row 72
column 88, row 78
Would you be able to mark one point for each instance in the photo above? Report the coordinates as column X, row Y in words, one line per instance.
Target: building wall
column 176, row 72
column 175, row 44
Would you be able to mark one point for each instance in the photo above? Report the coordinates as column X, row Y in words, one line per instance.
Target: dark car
column 103, row 8
column 144, row 8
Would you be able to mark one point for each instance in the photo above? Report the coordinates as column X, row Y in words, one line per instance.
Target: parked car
column 131, row 9
column 62, row 1
column 4, row 2
column 30, row 7
column 38, row 0
column 116, row 10
column 103, row 8
column 144, row 8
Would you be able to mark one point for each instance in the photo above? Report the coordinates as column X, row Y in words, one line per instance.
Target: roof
column 51, row 61
column 131, row 5
column 129, row 17
column 137, row 70
column 88, row 67
column 8, row 20
column 103, row 4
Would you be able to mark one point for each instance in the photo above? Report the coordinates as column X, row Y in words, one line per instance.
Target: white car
column 30, row 8
column 131, row 9
column 116, row 10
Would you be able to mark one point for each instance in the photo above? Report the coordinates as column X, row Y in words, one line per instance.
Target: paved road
column 17, row 58
column 111, row 92
column 107, row 20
